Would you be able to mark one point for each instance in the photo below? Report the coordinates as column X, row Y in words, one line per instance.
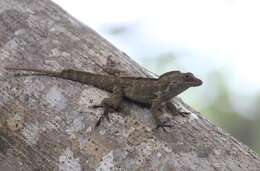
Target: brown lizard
column 154, row 92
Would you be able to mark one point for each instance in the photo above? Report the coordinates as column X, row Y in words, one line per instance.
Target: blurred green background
column 217, row 40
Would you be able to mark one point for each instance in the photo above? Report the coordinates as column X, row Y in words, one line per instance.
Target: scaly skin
column 153, row 92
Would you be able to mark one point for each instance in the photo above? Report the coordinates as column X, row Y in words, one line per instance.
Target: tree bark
column 48, row 124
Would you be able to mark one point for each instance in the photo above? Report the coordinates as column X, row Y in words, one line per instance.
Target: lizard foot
column 184, row 114
column 104, row 115
column 163, row 125
column 96, row 106
column 107, row 110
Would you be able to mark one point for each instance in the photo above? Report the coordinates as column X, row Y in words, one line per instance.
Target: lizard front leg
column 163, row 98
column 156, row 112
column 171, row 108
column 157, row 104
column 110, row 104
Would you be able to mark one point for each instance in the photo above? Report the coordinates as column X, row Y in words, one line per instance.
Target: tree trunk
column 48, row 124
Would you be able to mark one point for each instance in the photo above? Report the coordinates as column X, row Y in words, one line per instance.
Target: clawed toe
column 184, row 114
column 96, row 106
column 107, row 110
column 98, row 123
column 164, row 125
column 104, row 115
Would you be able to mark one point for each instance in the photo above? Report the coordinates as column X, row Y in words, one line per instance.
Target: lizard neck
column 177, row 90
column 174, row 90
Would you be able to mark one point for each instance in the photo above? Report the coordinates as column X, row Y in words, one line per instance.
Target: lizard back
column 104, row 82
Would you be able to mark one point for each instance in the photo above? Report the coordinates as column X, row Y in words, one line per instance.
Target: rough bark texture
column 47, row 124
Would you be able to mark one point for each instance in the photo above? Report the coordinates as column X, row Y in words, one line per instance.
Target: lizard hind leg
column 107, row 110
column 110, row 104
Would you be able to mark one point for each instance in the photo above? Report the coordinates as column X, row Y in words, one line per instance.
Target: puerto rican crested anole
column 154, row 92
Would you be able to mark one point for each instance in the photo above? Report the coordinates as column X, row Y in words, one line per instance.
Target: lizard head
column 187, row 79
column 190, row 80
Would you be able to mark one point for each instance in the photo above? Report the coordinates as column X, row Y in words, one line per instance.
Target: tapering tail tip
column 36, row 71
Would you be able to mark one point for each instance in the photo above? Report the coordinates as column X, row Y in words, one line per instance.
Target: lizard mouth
column 197, row 82
column 192, row 80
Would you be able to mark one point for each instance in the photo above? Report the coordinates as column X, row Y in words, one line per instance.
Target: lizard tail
column 38, row 72
column 100, row 81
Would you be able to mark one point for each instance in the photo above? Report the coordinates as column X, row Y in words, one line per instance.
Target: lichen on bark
column 48, row 124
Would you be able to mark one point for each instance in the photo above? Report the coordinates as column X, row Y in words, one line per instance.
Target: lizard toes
column 96, row 106
column 184, row 114
column 104, row 115
column 98, row 122
column 164, row 125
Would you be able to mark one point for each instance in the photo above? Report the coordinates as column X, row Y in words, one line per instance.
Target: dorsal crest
column 171, row 73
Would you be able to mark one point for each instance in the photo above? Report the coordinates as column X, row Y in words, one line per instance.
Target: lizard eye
column 187, row 76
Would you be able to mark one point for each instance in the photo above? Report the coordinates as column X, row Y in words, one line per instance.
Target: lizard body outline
column 153, row 92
